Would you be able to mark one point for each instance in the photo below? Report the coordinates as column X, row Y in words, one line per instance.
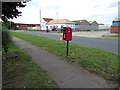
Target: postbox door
column 67, row 33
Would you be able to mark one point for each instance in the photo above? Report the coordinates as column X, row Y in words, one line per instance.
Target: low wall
column 115, row 29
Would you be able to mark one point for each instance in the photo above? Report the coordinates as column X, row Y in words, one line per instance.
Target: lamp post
column 57, row 19
column 40, row 19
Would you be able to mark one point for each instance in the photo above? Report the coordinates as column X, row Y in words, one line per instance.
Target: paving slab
column 66, row 75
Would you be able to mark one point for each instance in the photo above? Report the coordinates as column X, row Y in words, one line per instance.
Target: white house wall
column 34, row 28
column 43, row 25
column 59, row 26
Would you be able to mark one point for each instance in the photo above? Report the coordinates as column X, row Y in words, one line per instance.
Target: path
column 64, row 74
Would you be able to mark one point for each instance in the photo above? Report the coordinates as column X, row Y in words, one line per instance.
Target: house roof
column 26, row 24
column 78, row 21
column 91, row 22
column 84, row 22
column 117, row 19
column 81, row 22
column 101, row 24
column 60, row 21
column 47, row 19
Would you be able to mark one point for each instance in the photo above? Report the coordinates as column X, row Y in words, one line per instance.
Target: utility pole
column 40, row 19
column 57, row 15
column 57, row 19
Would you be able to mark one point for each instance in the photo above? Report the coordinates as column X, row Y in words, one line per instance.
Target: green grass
column 115, row 36
column 36, row 30
column 97, row 61
column 86, row 30
column 24, row 72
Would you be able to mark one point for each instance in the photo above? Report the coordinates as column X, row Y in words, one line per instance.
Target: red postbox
column 67, row 33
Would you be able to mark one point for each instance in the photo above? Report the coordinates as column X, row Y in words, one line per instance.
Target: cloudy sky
column 102, row 11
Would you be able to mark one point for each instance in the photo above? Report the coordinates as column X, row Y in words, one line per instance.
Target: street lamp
column 57, row 19
column 40, row 19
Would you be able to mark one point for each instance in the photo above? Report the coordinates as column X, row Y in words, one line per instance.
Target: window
column 56, row 26
column 17, row 25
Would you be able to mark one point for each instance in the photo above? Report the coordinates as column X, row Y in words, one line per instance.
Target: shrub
column 8, row 24
column 6, row 38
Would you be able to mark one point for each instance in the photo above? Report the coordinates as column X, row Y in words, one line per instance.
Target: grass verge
column 115, row 36
column 23, row 72
column 37, row 30
column 97, row 61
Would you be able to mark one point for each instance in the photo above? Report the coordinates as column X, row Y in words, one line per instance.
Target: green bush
column 6, row 38
column 8, row 24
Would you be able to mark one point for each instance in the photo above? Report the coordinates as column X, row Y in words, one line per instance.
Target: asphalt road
column 110, row 45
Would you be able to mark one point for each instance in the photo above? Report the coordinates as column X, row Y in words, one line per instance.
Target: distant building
column 85, row 25
column 104, row 26
column 60, row 23
column 82, row 25
column 94, row 25
column 115, row 28
column 21, row 26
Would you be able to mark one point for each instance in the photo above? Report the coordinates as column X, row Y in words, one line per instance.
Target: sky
column 102, row 11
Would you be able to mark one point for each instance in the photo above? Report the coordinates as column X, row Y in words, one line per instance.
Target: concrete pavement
column 64, row 74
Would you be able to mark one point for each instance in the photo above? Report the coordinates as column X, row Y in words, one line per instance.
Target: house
column 85, row 25
column 21, row 26
column 115, row 27
column 44, row 22
column 60, row 23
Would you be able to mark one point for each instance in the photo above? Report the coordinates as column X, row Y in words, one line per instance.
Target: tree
column 9, row 9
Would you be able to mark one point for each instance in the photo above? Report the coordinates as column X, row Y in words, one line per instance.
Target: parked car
column 53, row 29
column 77, row 28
